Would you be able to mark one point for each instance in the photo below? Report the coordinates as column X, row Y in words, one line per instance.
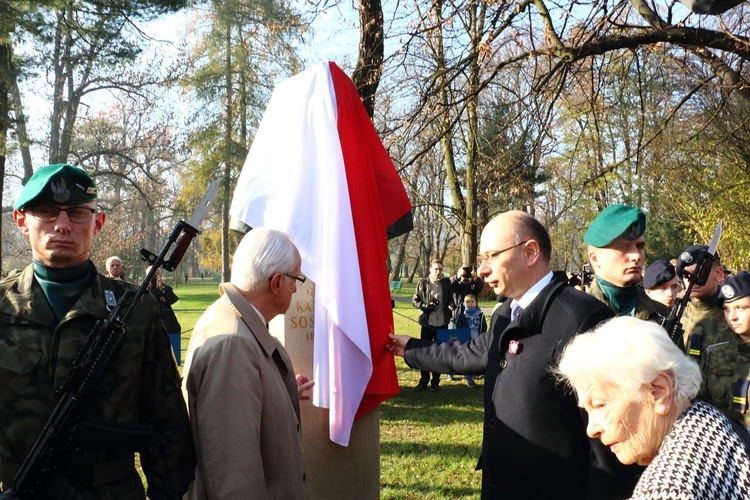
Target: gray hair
column 262, row 253
column 111, row 259
column 627, row 352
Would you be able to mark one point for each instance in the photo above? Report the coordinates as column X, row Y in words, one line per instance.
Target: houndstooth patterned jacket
column 701, row 458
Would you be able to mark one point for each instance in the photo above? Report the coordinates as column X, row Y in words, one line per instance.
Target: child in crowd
column 472, row 318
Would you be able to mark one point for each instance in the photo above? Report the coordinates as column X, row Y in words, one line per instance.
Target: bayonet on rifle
column 699, row 277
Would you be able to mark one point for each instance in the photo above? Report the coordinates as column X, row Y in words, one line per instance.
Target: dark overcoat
column 534, row 442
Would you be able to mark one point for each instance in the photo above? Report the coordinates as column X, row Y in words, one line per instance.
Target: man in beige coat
column 239, row 382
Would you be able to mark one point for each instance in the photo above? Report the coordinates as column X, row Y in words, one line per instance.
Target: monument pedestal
column 333, row 472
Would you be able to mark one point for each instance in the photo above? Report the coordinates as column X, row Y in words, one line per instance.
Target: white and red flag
column 318, row 171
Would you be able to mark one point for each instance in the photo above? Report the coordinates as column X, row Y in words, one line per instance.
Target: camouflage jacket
column 726, row 380
column 647, row 308
column 704, row 325
column 140, row 393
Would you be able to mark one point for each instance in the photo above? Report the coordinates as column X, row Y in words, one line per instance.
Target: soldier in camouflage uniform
column 46, row 312
column 703, row 322
column 726, row 365
column 616, row 250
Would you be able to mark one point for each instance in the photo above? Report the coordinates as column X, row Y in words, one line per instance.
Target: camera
column 587, row 274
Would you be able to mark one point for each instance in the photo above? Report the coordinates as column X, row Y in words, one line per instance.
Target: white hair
column 112, row 259
column 262, row 253
column 627, row 352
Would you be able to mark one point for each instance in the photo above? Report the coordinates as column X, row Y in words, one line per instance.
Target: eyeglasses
column 50, row 214
column 489, row 258
column 301, row 278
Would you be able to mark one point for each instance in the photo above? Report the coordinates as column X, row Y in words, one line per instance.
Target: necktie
column 515, row 311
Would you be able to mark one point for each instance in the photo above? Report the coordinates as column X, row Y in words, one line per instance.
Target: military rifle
column 95, row 357
column 703, row 265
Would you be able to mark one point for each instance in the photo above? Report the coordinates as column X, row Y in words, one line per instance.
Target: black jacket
column 421, row 300
column 535, row 443
column 166, row 298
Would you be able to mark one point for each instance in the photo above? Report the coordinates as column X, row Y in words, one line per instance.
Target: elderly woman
column 637, row 388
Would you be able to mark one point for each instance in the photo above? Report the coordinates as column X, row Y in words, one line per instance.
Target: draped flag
column 318, row 171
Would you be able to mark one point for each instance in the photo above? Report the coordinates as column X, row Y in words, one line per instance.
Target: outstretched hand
column 304, row 386
column 397, row 344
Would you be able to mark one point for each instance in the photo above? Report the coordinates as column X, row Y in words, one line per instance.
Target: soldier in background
column 726, row 382
column 617, row 252
column 726, row 272
column 660, row 282
column 46, row 312
column 703, row 322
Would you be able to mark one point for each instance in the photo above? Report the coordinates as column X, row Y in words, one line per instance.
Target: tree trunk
column 20, row 119
column 396, row 275
column 469, row 236
column 445, row 124
column 58, row 86
column 369, row 68
column 227, row 181
column 414, row 271
column 5, row 76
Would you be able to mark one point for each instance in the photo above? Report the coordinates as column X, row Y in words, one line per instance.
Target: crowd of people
column 658, row 408
column 585, row 394
column 442, row 306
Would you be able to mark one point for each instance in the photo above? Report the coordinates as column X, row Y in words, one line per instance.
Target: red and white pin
column 514, row 346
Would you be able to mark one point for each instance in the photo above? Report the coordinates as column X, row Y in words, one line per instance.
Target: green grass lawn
column 429, row 441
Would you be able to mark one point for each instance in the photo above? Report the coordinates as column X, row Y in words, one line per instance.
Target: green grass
column 429, row 441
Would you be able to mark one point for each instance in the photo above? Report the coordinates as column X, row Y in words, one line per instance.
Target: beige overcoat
column 242, row 396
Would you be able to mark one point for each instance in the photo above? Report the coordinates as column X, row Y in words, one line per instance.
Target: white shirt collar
column 532, row 292
column 262, row 319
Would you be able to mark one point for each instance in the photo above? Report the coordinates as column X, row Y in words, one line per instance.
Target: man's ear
column 100, row 217
column 593, row 257
column 275, row 282
column 19, row 218
column 718, row 273
column 661, row 390
column 532, row 251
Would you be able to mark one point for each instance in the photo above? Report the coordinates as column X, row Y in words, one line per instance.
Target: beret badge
column 634, row 231
column 686, row 257
column 727, row 291
column 60, row 191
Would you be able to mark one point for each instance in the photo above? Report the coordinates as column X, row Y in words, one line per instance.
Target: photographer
column 433, row 297
column 464, row 283
column 165, row 296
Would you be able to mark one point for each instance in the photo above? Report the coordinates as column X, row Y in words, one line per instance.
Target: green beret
column 60, row 184
column 614, row 222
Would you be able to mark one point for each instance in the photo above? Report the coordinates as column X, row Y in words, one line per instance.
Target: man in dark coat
column 535, row 443
column 434, row 299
